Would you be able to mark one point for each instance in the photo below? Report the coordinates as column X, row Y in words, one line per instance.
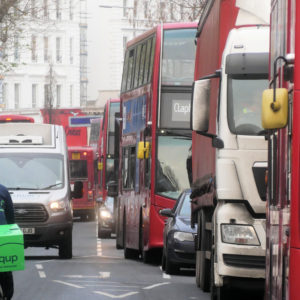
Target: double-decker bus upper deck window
column 114, row 108
column 137, row 65
column 142, row 64
column 147, row 62
column 125, row 69
column 178, row 57
column 130, row 69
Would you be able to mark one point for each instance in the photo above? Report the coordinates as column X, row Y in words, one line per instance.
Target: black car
column 106, row 219
column 179, row 247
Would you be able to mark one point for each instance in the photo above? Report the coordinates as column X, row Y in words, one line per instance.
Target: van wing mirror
column 167, row 212
column 77, row 191
column 274, row 113
column 143, row 150
column 200, row 105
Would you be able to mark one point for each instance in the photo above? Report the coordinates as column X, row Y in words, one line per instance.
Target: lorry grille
column 245, row 261
column 30, row 213
column 259, row 173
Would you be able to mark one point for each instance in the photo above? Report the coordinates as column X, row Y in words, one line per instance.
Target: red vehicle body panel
column 88, row 154
column 210, row 46
column 283, row 216
column 76, row 136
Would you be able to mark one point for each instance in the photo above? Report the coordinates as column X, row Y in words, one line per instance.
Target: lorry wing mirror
column 200, row 105
column 274, row 113
column 143, row 150
column 112, row 189
column 77, row 190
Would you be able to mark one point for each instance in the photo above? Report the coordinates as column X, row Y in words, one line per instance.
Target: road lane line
column 39, row 266
column 155, row 285
column 116, row 296
column 69, row 284
column 42, row 274
column 104, row 274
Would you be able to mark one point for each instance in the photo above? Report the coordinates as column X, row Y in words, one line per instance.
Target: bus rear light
column 90, row 195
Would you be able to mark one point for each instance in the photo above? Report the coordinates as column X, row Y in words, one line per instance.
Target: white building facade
column 48, row 60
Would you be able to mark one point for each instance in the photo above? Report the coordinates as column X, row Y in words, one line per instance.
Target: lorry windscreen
column 244, row 104
column 171, row 171
column 32, row 171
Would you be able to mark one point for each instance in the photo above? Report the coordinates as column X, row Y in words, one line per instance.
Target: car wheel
column 171, row 268
column 101, row 234
column 65, row 247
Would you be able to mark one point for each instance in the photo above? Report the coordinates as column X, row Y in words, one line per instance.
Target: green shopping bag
column 11, row 248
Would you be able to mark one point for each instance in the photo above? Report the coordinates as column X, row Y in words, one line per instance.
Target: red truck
column 280, row 116
column 229, row 151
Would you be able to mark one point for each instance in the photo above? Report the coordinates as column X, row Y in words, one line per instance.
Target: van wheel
column 65, row 247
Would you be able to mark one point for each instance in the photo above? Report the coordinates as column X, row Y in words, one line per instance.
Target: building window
column 58, row 95
column 71, row 95
column 4, row 95
column 125, row 39
column 71, row 51
column 33, row 48
column 146, row 9
column 58, row 11
column 124, row 8
column 33, row 8
column 17, row 95
column 46, row 47
column 71, row 14
column 58, row 50
column 34, row 95
column 16, row 49
column 46, row 9
column 47, row 98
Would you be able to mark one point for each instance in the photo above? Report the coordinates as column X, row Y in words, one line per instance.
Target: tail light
column 90, row 195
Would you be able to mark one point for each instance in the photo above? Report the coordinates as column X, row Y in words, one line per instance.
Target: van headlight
column 239, row 234
column 57, row 206
column 105, row 214
column 183, row 236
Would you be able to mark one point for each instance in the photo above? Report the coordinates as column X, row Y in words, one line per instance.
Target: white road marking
column 84, row 276
column 42, row 274
column 104, row 274
column 39, row 266
column 99, row 247
column 155, row 285
column 116, row 296
column 166, row 276
column 69, row 284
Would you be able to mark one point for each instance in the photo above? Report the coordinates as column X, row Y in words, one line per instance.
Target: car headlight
column 239, row 234
column 105, row 214
column 183, row 236
column 57, row 205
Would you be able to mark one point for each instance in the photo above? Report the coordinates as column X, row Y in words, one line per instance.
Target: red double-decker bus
column 83, row 163
column 155, row 139
column 281, row 106
column 15, row 119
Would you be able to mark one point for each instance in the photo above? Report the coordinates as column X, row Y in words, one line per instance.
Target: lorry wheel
column 65, row 247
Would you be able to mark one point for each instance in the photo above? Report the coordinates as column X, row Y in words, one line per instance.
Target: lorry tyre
column 204, row 263
column 65, row 247
column 128, row 253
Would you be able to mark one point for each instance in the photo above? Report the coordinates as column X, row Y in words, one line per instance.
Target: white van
column 34, row 168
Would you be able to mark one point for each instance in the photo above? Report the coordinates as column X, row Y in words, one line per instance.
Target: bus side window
column 147, row 172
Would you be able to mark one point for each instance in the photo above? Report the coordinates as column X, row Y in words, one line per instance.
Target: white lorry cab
column 34, row 168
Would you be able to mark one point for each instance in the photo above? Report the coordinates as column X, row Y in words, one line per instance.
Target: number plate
column 28, row 230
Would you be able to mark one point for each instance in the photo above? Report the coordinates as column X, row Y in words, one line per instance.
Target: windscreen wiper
column 51, row 185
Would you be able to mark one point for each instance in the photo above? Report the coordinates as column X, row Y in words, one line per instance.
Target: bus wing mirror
column 143, row 150
column 274, row 113
column 200, row 105
column 77, row 191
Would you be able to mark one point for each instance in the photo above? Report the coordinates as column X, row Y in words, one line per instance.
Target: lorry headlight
column 105, row 214
column 183, row 236
column 57, row 205
column 239, row 234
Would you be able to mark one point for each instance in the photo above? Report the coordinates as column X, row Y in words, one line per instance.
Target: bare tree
column 152, row 12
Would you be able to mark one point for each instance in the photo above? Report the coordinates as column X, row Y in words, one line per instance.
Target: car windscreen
column 185, row 209
column 32, row 171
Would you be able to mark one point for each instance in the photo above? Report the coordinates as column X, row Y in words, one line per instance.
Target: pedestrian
column 6, row 217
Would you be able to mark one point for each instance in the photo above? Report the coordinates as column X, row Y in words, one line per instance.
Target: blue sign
column 84, row 121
